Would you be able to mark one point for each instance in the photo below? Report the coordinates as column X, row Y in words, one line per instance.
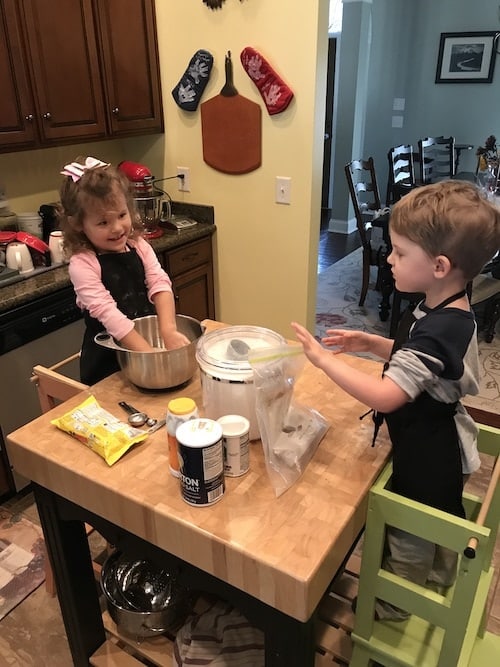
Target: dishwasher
column 44, row 331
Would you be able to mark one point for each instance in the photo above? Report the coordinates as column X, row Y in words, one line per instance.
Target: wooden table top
column 283, row 551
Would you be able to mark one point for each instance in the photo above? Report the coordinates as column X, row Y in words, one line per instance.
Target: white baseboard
column 342, row 226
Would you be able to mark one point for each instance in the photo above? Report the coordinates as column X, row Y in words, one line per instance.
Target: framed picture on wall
column 466, row 57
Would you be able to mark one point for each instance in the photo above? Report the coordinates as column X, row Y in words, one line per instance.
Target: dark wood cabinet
column 77, row 70
column 18, row 123
column 62, row 52
column 190, row 268
column 131, row 70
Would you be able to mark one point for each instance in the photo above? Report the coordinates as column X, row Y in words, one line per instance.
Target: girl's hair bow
column 76, row 170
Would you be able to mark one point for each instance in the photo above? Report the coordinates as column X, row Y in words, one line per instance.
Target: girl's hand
column 347, row 340
column 174, row 339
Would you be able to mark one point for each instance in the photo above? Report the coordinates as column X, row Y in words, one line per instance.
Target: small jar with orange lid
column 179, row 410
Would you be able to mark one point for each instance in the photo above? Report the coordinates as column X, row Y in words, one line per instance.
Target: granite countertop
column 47, row 280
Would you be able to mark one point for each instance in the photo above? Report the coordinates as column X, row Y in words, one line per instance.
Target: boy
column 442, row 235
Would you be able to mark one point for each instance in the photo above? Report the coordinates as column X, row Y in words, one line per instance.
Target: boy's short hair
column 450, row 218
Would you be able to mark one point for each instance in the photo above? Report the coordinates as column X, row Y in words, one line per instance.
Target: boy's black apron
column 123, row 276
column 427, row 464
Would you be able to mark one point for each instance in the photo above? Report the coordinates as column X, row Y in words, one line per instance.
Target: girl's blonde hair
column 450, row 218
column 103, row 183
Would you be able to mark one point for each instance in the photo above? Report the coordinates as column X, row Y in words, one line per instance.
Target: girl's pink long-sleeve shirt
column 91, row 295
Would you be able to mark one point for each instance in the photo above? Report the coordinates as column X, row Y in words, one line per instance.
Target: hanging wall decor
column 274, row 91
column 187, row 93
column 231, row 129
column 214, row 4
column 466, row 57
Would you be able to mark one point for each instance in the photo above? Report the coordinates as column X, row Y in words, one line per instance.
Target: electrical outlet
column 283, row 189
column 184, row 183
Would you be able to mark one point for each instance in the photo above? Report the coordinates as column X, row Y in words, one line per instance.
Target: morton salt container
column 226, row 374
column 201, row 457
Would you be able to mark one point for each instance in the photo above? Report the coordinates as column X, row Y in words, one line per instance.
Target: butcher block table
column 273, row 558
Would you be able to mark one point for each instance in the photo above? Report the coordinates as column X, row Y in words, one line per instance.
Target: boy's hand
column 347, row 341
column 312, row 348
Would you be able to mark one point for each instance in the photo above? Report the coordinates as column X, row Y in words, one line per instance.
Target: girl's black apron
column 427, row 464
column 123, row 276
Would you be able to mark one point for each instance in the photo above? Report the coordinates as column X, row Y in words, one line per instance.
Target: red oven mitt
column 274, row 91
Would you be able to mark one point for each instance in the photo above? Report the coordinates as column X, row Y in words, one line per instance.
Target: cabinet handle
column 29, row 118
column 46, row 116
column 116, row 111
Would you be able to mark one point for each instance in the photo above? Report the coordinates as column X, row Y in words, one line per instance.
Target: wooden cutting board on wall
column 231, row 128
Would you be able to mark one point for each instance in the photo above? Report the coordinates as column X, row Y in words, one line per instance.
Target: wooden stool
column 54, row 388
column 444, row 629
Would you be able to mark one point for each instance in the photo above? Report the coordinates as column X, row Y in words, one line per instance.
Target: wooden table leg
column 68, row 550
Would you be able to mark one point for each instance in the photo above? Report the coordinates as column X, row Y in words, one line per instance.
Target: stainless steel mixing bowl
column 143, row 600
column 160, row 368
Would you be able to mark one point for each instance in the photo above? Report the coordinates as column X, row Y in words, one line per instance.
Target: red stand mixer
column 152, row 203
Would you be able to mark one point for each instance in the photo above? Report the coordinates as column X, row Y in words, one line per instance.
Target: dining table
column 272, row 557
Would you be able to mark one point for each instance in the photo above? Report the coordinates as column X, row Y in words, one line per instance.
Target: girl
column 115, row 272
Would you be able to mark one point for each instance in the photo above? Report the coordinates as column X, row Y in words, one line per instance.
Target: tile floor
column 33, row 635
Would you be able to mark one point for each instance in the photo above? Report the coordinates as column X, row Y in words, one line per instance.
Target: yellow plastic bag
column 101, row 431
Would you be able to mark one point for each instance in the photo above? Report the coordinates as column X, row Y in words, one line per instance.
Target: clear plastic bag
column 290, row 432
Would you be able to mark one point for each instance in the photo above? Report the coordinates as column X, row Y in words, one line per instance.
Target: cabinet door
column 130, row 62
column 17, row 111
column 60, row 40
column 190, row 268
column 194, row 293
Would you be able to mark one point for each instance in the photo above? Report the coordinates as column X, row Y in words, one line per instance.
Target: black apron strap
column 123, row 275
column 450, row 299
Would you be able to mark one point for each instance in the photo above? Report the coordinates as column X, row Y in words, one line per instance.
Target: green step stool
column 445, row 630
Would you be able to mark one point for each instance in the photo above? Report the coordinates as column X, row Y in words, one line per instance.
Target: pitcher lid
column 228, row 348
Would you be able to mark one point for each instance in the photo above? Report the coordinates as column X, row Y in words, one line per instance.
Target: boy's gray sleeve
column 408, row 371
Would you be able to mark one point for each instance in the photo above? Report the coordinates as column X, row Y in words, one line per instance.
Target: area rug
column 337, row 307
column 22, row 559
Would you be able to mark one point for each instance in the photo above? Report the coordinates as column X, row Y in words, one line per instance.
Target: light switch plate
column 283, row 189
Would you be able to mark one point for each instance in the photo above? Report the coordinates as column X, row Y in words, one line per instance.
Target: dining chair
column 365, row 197
column 437, row 159
column 54, row 388
column 485, row 301
column 401, row 177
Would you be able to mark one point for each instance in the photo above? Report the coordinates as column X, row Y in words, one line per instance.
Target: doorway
column 327, row 147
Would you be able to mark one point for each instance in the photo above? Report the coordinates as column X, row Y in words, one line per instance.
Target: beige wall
column 266, row 253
